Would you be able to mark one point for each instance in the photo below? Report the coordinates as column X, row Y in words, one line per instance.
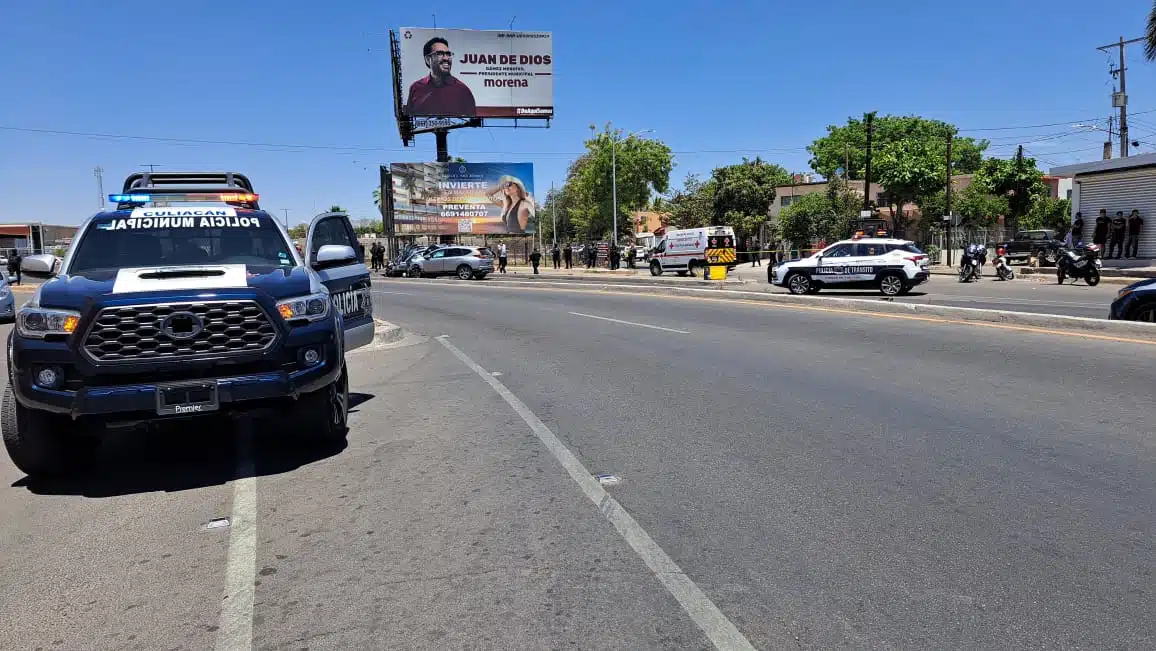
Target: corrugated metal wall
column 1126, row 191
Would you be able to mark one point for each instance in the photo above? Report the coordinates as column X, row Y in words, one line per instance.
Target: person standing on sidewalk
column 1132, row 243
column 615, row 257
column 556, row 255
column 14, row 261
column 1100, row 234
column 1077, row 233
column 569, row 253
column 755, row 257
column 536, row 259
column 502, row 259
column 1117, row 242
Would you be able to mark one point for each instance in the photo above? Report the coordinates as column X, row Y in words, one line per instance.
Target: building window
column 1069, row 195
column 786, row 200
column 881, row 199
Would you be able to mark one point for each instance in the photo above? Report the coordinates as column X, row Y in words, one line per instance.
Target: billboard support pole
column 443, row 145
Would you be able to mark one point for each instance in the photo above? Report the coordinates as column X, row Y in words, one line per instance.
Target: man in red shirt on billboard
column 440, row 94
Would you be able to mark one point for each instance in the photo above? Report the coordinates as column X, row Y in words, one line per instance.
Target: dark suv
column 184, row 300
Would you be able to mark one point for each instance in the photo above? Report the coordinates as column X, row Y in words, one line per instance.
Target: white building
column 1119, row 184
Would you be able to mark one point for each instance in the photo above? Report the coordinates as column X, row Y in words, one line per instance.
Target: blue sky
column 717, row 81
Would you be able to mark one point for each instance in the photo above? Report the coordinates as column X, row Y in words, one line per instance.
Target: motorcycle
column 1082, row 262
column 1002, row 268
column 971, row 264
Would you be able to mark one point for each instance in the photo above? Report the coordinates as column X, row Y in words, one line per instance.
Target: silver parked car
column 465, row 262
column 7, row 300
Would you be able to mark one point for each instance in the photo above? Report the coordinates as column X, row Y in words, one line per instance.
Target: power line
column 358, row 148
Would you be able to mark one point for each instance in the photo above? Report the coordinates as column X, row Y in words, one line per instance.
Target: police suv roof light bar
column 140, row 188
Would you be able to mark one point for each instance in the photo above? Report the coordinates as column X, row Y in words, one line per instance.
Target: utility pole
column 1019, row 189
column 846, row 162
column 1120, row 99
column 1108, row 144
column 947, row 213
column 152, row 168
column 867, row 176
column 98, row 171
column 554, row 211
column 286, row 211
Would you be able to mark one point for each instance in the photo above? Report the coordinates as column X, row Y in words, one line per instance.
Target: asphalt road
column 820, row 479
column 1025, row 294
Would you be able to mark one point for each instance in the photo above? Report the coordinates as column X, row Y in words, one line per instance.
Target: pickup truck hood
column 77, row 292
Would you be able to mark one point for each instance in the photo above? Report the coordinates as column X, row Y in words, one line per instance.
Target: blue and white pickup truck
column 185, row 300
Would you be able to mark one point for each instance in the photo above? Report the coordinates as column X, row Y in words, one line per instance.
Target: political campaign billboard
column 465, row 198
column 469, row 73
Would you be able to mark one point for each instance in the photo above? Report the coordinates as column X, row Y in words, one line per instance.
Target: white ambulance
column 684, row 251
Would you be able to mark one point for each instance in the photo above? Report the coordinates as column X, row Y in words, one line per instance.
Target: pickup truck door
column 346, row 276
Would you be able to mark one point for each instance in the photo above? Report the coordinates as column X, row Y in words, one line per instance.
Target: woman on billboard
column 517, row 204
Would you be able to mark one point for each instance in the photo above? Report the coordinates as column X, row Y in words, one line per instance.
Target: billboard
column 465, row 198
column 469, row 73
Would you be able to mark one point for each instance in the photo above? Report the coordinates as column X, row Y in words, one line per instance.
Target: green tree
column 842, row 207
column 692, row 206
column 909, row 169
column 643, row 169
column 298, row 232
column 1150, row 35
column 743, row 194
column 801, row 221
column 849, row 141
column 377, row 197
column 1048, row 212
column 1017, row 179
column 336, row 208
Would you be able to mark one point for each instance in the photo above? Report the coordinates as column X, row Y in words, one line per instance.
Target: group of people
column 377, row 256
column 1120, row 234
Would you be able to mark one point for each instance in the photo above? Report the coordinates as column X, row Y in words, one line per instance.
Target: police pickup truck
column 185, row 300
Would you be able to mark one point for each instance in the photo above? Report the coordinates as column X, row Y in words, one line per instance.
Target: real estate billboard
column 472, row 73
column 450, row 198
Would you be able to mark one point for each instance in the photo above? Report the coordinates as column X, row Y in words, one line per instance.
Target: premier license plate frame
column 187, row 398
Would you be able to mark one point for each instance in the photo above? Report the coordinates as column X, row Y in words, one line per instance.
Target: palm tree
column 377, row 196
column 1150, row 35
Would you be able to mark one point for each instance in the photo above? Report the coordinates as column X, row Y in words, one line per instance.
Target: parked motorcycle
column 1002, row 268
column 1081, row 262
column 971, row 264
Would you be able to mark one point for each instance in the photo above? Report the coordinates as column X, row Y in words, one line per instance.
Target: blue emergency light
column 130, row 198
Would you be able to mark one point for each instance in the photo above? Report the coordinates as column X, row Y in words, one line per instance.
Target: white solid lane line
column 235, row 628
column 640, row 325
column 720, row 630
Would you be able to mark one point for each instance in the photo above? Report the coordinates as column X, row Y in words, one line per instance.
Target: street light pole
column 286, row 211
column 614, row 176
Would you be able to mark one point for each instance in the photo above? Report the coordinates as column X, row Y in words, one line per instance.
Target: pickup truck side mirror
column 334, row 255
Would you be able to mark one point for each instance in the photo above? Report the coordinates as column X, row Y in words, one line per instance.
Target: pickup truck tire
column 323, row 415
column 42, row 444
column 1047, row 257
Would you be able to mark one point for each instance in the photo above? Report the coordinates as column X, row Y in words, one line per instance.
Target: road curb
column 1101, row 327
column 385, row 332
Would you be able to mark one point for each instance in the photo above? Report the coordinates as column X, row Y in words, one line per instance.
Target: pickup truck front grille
column 175, row 331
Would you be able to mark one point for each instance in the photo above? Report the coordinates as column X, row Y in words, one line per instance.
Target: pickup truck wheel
column 43, row 444
column 323, row 415
column 1046, row 256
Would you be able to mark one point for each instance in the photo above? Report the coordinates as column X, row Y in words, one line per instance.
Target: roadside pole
column 947, row 215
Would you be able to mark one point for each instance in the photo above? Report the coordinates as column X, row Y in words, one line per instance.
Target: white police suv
column 892, row 266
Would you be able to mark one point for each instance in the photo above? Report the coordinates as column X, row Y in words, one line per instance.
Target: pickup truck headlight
column 313, row 307
column 38, row 322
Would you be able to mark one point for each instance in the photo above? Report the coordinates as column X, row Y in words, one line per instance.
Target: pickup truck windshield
column 113, row 243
